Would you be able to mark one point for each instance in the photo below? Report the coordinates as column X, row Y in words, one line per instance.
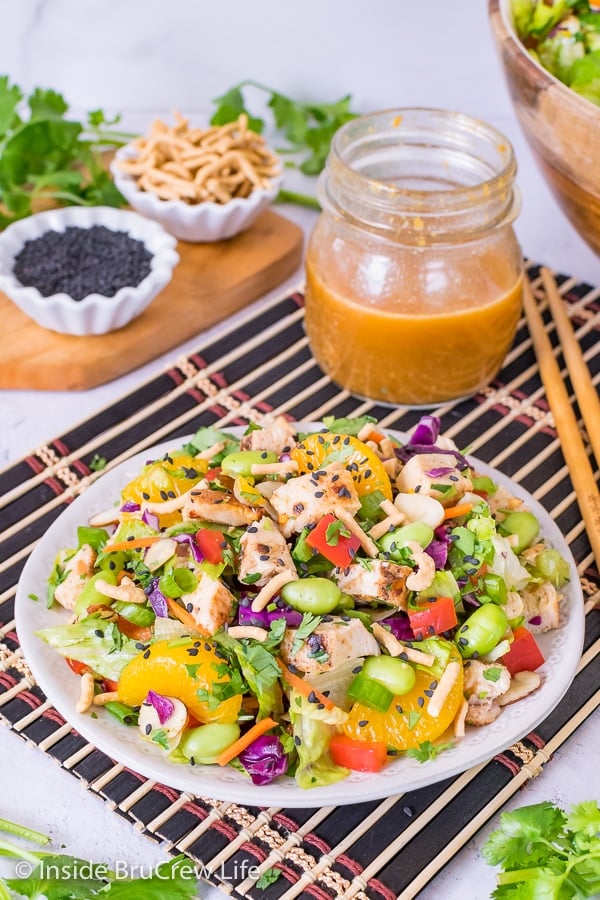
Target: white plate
column 561, row 648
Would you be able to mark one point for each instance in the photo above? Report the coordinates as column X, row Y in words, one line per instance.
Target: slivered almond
column 521, row 684
column 106, row 517
column 459, row 720
column 352, row 525
column 444, row 686
column 396, row 647
column 248, row 631
column 266, row 594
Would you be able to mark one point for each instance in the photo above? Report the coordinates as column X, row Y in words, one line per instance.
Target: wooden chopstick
column 578, row 463
column 585, row 390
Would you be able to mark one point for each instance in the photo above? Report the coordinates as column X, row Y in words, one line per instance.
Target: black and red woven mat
column 378, row 850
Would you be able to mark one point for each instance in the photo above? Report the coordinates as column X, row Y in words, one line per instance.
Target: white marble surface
column 143, row 57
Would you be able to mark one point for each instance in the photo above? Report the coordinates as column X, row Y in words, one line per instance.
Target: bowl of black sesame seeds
column 85, row 270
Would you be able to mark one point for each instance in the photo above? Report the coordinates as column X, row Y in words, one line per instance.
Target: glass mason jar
column 414, row 273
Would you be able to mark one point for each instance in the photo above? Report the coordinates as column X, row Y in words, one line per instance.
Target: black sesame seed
column 297, row 741
column 148, row 728
column 428, row 693
column 319, row 494
column 82, row 261
column 146, row 654
column 171, row 494
column 363, row 723
column 192, row 651
column 99, row 633
column 164, row 495
column 145, row 495
column 418, row 489
column 112, row 564
column 420, row 701
column 399, row 710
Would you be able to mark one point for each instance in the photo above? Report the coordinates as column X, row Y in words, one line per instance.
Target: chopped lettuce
column 208, row 437
column 506, row 563
column 93, row 641
column 313, row 729
column 564, row 36
column 347, row 426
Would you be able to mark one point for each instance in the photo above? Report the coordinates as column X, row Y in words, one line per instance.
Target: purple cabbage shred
column 535, row 620
column 130, row 506
column 157, row 599
column 190, row 540
column 264, row 760
column 163, row 706
column 151, row 520
column 399, row 625
column 264, row 618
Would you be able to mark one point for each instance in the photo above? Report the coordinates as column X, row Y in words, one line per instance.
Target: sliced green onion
column 177, row 583
column 370, row 693
column 125, row 714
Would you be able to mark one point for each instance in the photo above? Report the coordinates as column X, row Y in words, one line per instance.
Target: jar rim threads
column 422, row 175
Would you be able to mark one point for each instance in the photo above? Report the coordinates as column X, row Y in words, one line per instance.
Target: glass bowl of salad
column 551, row 59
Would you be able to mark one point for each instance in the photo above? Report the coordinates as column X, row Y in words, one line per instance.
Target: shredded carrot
column 303, row 687
column 376, row 437
column 184, row 617
column 245, row 741
column 135, row 544
column 460, row 510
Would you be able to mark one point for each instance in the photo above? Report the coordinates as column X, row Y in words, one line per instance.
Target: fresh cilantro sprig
column 546, row 852
column 426, row 751
column 308, row 128
column 46, row 157
column 58, row 876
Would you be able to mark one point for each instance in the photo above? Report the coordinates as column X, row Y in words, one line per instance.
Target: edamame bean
column 482, row 630
column 394, row 541
column 312, row 595
column 241, row 463
column 551, row 566
column 92, row 597
column 523, row 525
column 396, row 674
column 345, row 602
column 205, row 743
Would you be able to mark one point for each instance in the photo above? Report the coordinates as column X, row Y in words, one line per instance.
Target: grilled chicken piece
column 477, row 685
column 278, row 437
column 306, row 499
column 218, row 506
column 414, row 478
column 542, row 606
column 263, row 550
column 80, row 569
column 330, row 645
column 209, row 604
column 483, row 693
column 381, row 580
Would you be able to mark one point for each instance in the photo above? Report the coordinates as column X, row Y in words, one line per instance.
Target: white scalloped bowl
column 194, row 222
column 94, row 314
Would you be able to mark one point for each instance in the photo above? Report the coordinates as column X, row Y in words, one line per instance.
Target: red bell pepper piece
column 435, row 617
column 524, row 654
column 78, row 667
column 361, row 756
column 330, row 538
column 211, row 544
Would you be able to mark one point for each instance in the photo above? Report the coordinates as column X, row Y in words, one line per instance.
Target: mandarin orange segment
column 167, row 477
column 368, row 472
column 178, row 670
column 407, row 723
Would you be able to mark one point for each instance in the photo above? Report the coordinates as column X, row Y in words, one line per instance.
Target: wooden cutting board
column 211, row 282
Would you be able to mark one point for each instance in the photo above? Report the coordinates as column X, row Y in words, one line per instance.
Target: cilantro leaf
column 10, row 97
column 306, row 627
column 335, row 531
column 546, row 853
column 98, row 463
column 230, row 106
column 426, row 751
column 269, row 876
column 47, row 104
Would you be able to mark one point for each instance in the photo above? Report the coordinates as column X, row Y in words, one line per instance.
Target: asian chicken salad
column 306, row 603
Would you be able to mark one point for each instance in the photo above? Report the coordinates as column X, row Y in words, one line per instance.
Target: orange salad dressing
column 425, row 342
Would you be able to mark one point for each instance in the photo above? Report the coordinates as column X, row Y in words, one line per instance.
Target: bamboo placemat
column 260, row 365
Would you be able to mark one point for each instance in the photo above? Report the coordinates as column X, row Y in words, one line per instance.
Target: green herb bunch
column 547, row 854
column 49, row 159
